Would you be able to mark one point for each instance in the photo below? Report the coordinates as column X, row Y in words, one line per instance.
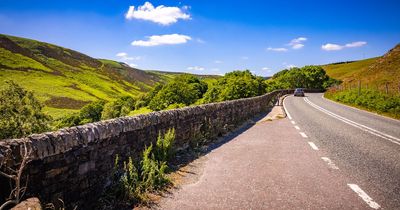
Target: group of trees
column 311, row 77
column 235, row 85
column 21, row 112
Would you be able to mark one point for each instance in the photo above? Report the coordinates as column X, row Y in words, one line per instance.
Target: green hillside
column 375, row 72
column 380, row 82
column 66, row 80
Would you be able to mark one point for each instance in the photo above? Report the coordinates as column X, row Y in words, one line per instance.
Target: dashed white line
column 371, row 203
column 313, row 146
column 284, row 107
column 330, row 163
column 293, row 122
column 297, row 127
column 355, row 124
column 303, row 135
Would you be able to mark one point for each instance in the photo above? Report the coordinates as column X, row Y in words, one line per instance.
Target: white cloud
column 356, row 44
column 168, row 39
column 297, row 43
column 333, row 47
column 200, row 41
column 297, row 46
column 124, row 56
column 132, row 65
column 195, row 68
column 218, row 61
column 161, row 14
column 266, row 69
column 280, row 49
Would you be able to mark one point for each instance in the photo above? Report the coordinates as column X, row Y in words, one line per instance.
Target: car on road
column 299, row 92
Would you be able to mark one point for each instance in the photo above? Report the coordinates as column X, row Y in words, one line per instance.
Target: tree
column 311, row 77
column 185, row 89
column 118, row 108
column 20, row 113
column 235, row 85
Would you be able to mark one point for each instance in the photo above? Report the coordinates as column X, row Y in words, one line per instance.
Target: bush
column 147, row 175
column 20, row 113
column 369, row 99
column 118, row 108
column 88, row 114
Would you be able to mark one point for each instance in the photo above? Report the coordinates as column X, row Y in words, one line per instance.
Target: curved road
column 364, row 146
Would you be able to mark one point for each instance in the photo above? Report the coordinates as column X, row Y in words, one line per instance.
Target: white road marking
column 303, row 135
column 293, row 122
column 371, row 203
column 313, row 145
column 287, row 113
column 330, row 163
column 297, row 127
column 355, row 124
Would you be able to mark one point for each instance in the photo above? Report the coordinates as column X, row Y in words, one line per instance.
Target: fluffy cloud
column 125, row 57
column 265, row 68
column 195, row 68
column 218, row 61
column 280, row 49
column 162, row 15
column 168, row 39
column 297, row 43
column 333, row 47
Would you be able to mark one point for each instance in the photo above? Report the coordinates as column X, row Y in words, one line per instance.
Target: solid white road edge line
column 371, row 203
column 330, row 163
column 297, row 127
column 303, row 135
column 313, row 145
column 355, row 124
column 284, row 107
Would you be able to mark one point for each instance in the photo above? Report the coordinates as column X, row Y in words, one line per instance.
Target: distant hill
column 373, row 72
column 65, row 80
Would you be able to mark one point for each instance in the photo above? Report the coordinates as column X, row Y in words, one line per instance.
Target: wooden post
column 359, row 87
column 386, row 88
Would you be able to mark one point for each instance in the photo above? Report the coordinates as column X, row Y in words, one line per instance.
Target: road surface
column 364, row 146
column 322, row 156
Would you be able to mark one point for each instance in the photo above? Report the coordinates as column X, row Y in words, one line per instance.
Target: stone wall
column 74, row 164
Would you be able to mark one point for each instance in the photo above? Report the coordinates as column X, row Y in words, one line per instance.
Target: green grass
column 143, row 110
column 347, row 71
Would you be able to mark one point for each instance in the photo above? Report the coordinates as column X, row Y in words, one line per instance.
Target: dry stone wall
column 75, row 164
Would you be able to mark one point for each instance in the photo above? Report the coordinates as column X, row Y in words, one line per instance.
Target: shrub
column 370, row 99
column 20, row 113
column 135, row 180
column 88, row 114
column 118, row 108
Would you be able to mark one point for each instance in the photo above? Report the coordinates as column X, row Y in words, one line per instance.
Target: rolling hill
column 65, row 80
column 375, row 72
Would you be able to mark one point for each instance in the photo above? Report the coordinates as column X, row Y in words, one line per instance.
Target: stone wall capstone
column 75, row 164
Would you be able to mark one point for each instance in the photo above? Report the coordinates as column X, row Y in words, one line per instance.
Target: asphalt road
column 363, row 146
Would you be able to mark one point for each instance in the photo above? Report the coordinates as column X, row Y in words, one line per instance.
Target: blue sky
column 210, row 37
